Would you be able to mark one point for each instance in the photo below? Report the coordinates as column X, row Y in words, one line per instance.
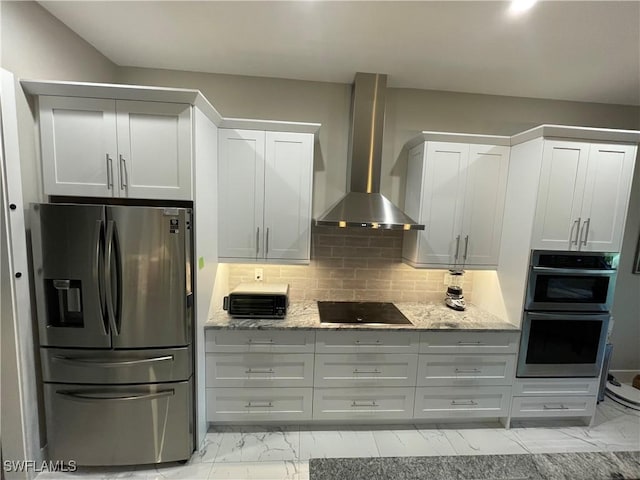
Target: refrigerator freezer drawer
column 116, row 366
column 119, row 425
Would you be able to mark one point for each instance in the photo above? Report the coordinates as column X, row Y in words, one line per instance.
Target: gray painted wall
column 35, row 45
column 409, row 112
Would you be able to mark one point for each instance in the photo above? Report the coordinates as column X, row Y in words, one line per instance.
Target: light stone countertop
column 423, row 316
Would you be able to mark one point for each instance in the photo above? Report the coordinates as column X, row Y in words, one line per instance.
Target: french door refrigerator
column 115, row 316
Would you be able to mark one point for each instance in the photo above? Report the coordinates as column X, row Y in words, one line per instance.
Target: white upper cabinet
column 115, row 148
column 154, row 150
column 457, row 191
column 583, row 196
column 79, row 147
column 240, row 192
column 265, row 183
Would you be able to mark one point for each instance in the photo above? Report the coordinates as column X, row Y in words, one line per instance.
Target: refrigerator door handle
column 101, row 362
column 101, row 397
column 108, row 276
column 98, row 277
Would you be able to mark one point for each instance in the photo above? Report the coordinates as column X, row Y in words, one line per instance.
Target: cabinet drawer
column 469, row 342
column 366, row 341
column 365, row 369
column 272, row 341
column 556, row 406
column 560, row 386
column 465, row 370
column 362, row 403
column 258, row 404
column 462, row 402
column 259, row 369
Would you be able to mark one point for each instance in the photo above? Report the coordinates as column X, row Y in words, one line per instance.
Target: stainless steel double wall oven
column 566, row 318
column 114, row 301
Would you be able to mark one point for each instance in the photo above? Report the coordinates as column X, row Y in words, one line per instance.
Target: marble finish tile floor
column 254, row 453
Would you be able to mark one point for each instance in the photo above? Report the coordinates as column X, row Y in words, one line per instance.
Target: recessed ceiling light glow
column 520, row 6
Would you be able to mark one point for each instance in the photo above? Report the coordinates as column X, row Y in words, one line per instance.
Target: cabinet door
column 442, row 203
column 154, row 150
column 79, row 149
column 562, row 178
column 287, row 195
column 484, row 204
column 606, row 197
column 241, row 193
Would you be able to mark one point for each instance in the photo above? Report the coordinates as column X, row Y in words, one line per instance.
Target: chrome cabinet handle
column 100, row 396
column 259, row 370
column 360, row 342
column 463, row 402
column 586, row 225
column 257, row 241
column 577, row 222
column 266, row 243
column 466, row 247
column 560, row 407
column 259, row 404
column 374, row 371
column 124, row 177
column 457, row 247
column 372, row 403
column 109, row 172
column 252, row 341
column 470, row 343
column 468, row 370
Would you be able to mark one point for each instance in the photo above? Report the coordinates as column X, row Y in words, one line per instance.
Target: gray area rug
column 560, row 466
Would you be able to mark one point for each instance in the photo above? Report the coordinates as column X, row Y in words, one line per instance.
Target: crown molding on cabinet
column 577, row 133
column 160, row 94
column 430, row 136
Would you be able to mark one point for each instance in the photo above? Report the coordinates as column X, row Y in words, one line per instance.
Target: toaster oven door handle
column 225, row 303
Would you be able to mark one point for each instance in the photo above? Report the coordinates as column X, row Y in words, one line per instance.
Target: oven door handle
column 573, row 271
column 565, row 316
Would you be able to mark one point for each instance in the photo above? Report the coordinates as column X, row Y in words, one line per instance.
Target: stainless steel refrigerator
column 115, row 315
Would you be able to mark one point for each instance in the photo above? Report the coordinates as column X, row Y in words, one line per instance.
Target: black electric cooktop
column 361, row 312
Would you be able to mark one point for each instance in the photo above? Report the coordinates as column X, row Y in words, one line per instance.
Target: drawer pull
column 463, row 402
column 364, row 404
column 252, row 341
column 374, row 371
column 259, row 370
column 259, row 405
column 468, row 370
column 560, row 407
column 470, row 343
column 360, row 342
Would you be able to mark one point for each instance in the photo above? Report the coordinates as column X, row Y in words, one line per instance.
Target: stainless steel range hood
column 364, row 205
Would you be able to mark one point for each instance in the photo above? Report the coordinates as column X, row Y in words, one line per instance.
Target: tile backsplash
column 354, row 264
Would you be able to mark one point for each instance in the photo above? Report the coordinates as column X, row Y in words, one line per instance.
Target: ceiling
column 569, row 50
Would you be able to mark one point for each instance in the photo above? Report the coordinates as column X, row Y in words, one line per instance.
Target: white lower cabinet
column 365, row 369
column 382, row 403
column 258, row 404
column 466, row 370
column 362, row 376
column 553, row 406
column 554, row 397
column 462, row 402
column 259, row 369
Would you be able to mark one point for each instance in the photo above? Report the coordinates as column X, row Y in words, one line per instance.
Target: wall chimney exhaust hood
column 363, row 205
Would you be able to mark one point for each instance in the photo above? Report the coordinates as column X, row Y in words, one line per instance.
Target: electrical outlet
column 258, row 275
